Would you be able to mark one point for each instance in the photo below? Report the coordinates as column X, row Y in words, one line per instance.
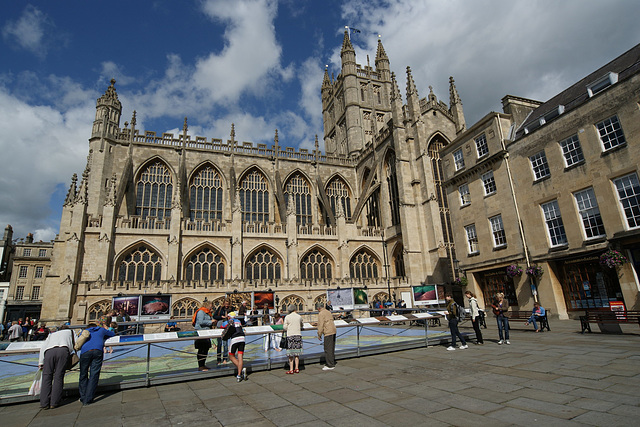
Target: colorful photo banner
column 340, row 298
column 424, row 295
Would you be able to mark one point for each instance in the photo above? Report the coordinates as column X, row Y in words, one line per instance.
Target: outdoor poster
column 424, row 295
column 262, row 298
column 158, row 306
column 340, row 298
column 360, row 298
column 130, row 305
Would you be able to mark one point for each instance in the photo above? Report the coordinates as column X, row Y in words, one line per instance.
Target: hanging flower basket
column 535, row 271
column 612, row 259
column 514, row 270
column 461, row 281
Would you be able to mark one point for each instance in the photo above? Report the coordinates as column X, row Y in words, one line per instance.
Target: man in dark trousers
column 452, row 317
column 221, row 315
column 91, row 361
column 327, row 327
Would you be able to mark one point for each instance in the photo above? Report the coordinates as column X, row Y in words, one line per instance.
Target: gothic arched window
column 315, row 265
column 338, row 192
column 320, row 299
column 254, row 197
column 392, row 184
column 294, row 300
column 398, row 261
column 99, row 309
column 140, row 264
column 363, row 265
column 205, row 195
column 263, row 265
column 373, row 210
column 185, row 307
column 298, row 188
column 205, row 265
column 153, row 192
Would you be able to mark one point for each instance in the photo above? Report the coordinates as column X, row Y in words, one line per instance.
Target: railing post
column 147, row 380
column 426, row 332
column 358, row 340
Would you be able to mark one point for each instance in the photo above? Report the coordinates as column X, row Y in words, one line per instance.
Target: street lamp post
column 386, row 263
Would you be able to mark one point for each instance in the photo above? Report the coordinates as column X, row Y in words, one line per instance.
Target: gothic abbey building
column 199, row 218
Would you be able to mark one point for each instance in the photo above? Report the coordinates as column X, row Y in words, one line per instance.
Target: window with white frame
column 472, row 238
column 555, row 226
column 19, row 292
column 35, row 293
column 465, row 196
column 481, row 146
column 589, row 213
column 23, row 271
column 39, row 271
column 572, row 151
column 539, row 166
column 42, row 253
column 489, row 183
column 497, row 230
column 26, row 252
column 458, row 159
column 629, row 196
column 611, row 133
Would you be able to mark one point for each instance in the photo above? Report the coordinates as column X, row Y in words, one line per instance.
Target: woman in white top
column 54, row 356
column 293, row 325
column 475, row 316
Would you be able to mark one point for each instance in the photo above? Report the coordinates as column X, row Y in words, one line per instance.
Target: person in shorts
column 236, row 345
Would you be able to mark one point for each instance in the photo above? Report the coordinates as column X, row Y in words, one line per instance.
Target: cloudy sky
column 259, row 64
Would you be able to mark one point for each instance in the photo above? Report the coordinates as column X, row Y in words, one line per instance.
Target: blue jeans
column 455, row 332
column 503, row 323
column 223, row 350
column 90, row 366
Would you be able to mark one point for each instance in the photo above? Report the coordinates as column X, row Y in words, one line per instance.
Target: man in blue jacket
column 91, row 361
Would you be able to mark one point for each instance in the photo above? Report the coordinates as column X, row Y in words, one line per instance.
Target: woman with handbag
column 54, row 358
column 293, row 326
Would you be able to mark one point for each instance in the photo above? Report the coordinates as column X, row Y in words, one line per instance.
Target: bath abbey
column 542, row 201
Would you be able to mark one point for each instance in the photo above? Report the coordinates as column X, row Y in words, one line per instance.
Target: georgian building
column 206, row 218
column 553, row 185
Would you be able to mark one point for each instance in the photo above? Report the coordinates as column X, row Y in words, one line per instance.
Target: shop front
column 494, row 281
column 587, row 285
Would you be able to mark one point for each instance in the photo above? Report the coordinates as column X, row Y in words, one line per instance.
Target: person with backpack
column 221, row 315
column 234, row 333
column 475, row 316
column 454, row 314
column 203, row 320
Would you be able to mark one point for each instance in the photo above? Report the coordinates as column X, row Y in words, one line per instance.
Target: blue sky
column 259, row 64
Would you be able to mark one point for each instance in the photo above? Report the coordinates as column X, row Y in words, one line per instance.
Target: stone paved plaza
column 553, row 378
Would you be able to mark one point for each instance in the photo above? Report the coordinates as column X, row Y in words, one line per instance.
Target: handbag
column 36, row 385
column 72, row 361
column 283, row 341
column 84, row 336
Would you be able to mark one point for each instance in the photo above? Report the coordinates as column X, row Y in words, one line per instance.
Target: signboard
column 130, row 305
column 360, row 298
column 155, row 306
column 262, row 298
column 619, row 308
column 424, row 295
column 340, row 298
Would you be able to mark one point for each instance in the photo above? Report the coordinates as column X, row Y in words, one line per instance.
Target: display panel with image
column 155, row 305
column 262, row 298
column 424, row 295
column 130, row 305
column 360, row 298
column 340, row 298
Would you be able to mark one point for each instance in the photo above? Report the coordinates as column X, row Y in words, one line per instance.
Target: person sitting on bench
column 536, row 314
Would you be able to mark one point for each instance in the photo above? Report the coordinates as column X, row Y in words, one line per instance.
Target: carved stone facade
column 203, row 218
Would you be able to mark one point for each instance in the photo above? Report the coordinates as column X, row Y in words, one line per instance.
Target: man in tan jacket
column 327, row 328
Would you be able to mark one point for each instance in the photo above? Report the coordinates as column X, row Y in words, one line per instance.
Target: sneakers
column 500, row 342
column 462, row 347
column 239, row 378
column 244, row 374
column 451, row 348
column 507, row 342
column 526, row 323
column 327, row 368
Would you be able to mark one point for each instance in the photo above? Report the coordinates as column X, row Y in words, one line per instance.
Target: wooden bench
column 608, row 317
column 524, row 315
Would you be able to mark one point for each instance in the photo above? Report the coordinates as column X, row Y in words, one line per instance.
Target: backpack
column 228, row 331
column 461, row 313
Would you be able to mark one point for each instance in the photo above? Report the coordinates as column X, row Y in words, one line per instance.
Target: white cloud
column 28, row 32
column 111, row 70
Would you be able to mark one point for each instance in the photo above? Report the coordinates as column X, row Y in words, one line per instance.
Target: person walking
column 236, row 342
column 475, row 316
column 327, row 327
column 452, row 317
column 91, row 357
column 204, row 320
column 500, row 308
column 54, row 356
column 221, row 315
column 293, row 325
column 15, row 332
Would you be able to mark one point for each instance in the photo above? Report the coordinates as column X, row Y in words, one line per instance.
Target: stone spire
column 326, row 82
column 455, row 107
column 110, row 97
column 382, row 62
column 73, row 190
column 413, row 99
column 276, row 144
column 108, row 111
column 395, row 90
column 346, row 44
column 348, row 56
column 81, row 196
column 411, row 85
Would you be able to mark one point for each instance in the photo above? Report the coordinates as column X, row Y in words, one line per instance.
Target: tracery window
column 295, row 300
column 140, row 264
column 315, row 265
column 205, row 265
column 392, row 182
column 254, row 197
column 205, row 195
column 153, row 192
column 185, row 307
column 320, row 299
column 398, row 261
column 373, row 210
column 363, row 265
column 338, row 192
column 298, row 188
column 263, row 265
column 99, row 309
